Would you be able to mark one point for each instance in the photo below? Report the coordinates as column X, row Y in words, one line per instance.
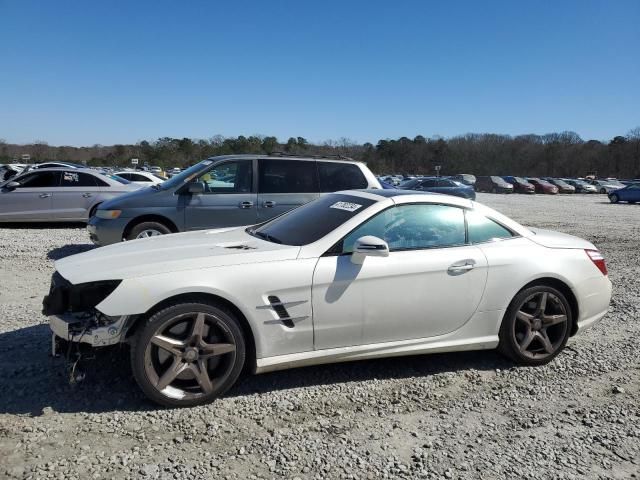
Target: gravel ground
column 465, row 415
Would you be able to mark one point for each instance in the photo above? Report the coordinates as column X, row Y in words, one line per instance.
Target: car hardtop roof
column 283, row 156
column 60, row 169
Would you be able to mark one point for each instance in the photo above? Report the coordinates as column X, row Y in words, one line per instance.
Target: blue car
column 440, row 185
column 630, row 193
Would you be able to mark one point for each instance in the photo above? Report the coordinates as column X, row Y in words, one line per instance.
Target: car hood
column 552, row 239
column 172, row 253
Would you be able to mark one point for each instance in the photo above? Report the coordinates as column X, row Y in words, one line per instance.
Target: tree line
column 553, row 154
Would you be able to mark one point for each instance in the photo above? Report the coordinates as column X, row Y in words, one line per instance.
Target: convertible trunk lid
column 552, row 239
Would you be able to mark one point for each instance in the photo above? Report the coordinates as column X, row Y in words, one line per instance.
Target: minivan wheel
column 188, row 354
column 147, row 229
column 536, row 326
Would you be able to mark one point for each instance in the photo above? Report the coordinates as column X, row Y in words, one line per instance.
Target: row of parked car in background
column 227, row 191
column 465, row 185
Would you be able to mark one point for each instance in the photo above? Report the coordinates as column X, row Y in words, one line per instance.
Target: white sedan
column 352, row 275
column 140, row 177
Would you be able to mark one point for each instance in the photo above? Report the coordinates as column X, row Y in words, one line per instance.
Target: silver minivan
column 226, row 191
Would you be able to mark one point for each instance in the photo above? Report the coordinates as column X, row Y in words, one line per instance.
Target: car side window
column 77, row 179
column 428, row 183
column 126, row 176
column 413, row 227
column 136, row 177
column 482, row 229
column 229, row 177
column 336, row 176
column 287, row 176
column 40, row 180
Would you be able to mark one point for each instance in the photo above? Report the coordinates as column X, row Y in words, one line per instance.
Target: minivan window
column 287, row 176
column 336, row 176
column 228, row 177
column 186, row 175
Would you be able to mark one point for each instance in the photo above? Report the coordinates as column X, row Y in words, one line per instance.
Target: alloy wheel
column 190, row 355
column 541, row 325
column 148, row 233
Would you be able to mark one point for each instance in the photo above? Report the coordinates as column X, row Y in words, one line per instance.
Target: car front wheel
column 536, row 326
column 148, row 229
column 188, row 354
column 614, row 198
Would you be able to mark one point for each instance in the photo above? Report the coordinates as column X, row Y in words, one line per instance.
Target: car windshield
column 312, row 221
column 498, row 180
column 186, row 175
column 615, row 183
column 410, row 183
column 520, row 180
column 560, row 183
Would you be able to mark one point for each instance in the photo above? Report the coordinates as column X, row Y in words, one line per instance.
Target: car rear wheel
column 603, row 190
column 614, row 198
column 148, row 229
column 188, row 354
column 536, row 326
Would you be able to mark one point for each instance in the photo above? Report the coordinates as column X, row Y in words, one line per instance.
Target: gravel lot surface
column 464, row 415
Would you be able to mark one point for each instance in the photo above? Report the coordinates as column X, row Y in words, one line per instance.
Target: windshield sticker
column 347, row 206
column 70, row 177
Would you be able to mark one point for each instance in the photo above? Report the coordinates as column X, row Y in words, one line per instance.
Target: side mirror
column 195, row 188
column 12, row 185
column 369, row 246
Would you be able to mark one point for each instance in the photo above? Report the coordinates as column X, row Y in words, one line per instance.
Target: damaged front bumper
column 88, row 329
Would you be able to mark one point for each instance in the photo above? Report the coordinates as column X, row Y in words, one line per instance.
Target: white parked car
column 140, row 177
column 607, row 186
column 349, row 276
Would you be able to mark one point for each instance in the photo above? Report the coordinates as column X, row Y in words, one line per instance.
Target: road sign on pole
column 134, row 161
column 438, row 170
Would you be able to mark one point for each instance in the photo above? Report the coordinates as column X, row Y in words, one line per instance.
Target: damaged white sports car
column 349, row 276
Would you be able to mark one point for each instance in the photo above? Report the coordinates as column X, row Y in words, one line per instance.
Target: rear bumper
column 594, row 296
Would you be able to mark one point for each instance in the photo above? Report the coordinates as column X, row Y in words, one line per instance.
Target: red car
column 542, row 186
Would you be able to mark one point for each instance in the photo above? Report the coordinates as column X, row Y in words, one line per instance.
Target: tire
column 614, row 198
column 530, row 336
column 167, row 354
column 603, row 190
column 147, row 229
column 494, row 190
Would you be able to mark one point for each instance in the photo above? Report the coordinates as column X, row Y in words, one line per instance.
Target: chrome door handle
column 45, row 195
column 87, row 195
column 459, row 268
column 269, row 204
column 245, row 204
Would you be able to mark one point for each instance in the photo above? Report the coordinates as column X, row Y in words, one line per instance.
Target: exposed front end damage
column 76, row 324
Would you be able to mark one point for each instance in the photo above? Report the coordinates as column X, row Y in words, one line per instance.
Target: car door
column 31, row 201
column 229, row 197
column 284, row 185
column 430, row 284
column 75, row 195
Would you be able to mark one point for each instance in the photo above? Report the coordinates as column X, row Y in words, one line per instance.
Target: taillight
column 598, row 260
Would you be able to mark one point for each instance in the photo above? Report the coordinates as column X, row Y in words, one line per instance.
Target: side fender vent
column 279, row 307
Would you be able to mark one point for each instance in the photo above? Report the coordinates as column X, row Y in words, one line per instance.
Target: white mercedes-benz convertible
column 349, row 276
